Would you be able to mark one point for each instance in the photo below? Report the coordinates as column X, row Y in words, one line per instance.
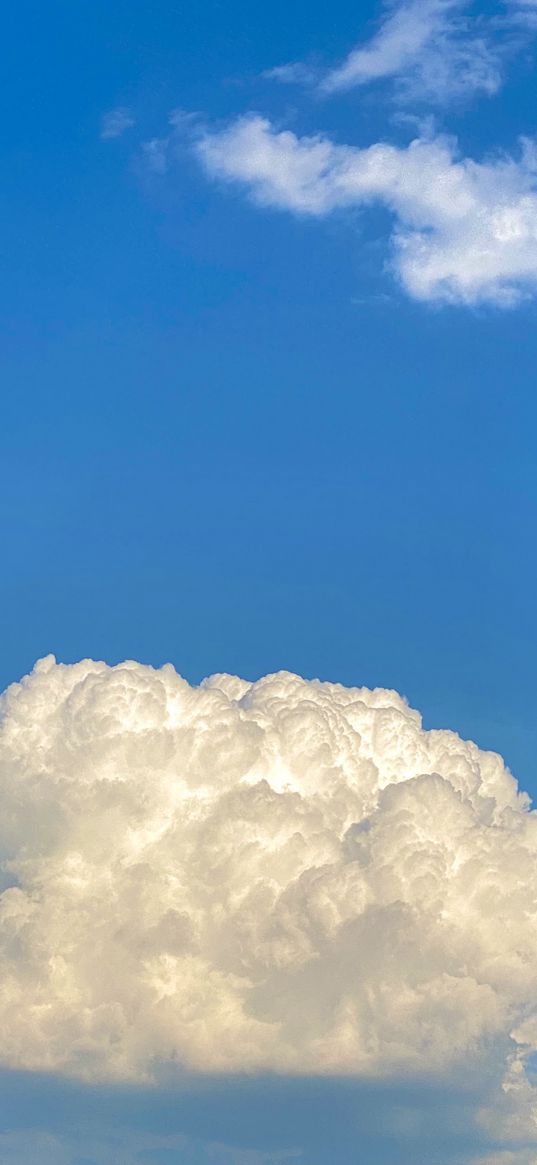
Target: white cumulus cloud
column 284, row 875
column 465, row 231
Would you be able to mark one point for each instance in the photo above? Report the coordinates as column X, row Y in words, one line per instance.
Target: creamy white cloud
column 464, row 231
column 286, row 875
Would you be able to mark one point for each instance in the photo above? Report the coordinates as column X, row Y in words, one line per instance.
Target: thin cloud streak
column 429, row 48
column 427, row 51
column 116, row 122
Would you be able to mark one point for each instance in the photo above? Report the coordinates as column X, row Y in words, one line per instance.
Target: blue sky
column 272, row 415
column 191, row 385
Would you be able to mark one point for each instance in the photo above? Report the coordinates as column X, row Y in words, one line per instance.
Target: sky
column 269, row 335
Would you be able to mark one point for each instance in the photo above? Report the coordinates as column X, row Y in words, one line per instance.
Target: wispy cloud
column 116, row 122
column 294, row 73
column 464, row 231
column 429, row 47
column 105, row 1147
column 507, row 1157
column 155, row 155
column 427, row 50
column 524, row 12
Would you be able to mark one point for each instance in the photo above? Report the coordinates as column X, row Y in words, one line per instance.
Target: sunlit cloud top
column 287, row 875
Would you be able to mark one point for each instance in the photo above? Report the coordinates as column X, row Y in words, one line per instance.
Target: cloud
column 88, row 1147
column 294, row 73
column 116, row 122
column 283, row 876
column 507, row 1157
column 464, row 231
column 429, row 47
column 155, row 155
column 432, row 51
column 524, row 13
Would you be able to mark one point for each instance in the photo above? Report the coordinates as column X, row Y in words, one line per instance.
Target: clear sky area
column 269, row 351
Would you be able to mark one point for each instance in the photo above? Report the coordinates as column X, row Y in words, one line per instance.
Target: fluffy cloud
column 465, row 231
column 286, row 875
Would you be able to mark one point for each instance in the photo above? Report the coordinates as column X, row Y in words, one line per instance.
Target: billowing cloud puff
column 286, row 875
column 464, row 231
